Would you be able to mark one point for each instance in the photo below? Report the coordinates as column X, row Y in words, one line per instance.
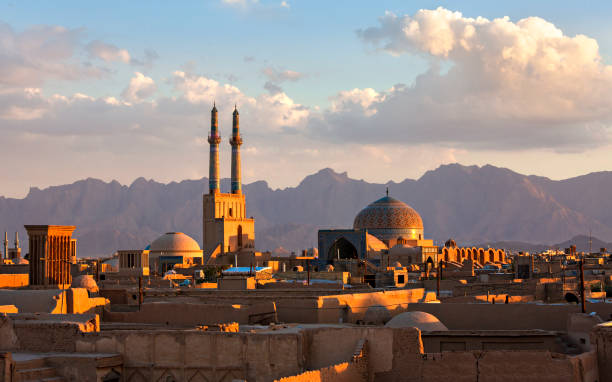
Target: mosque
column 228, row 235
column 389, row 231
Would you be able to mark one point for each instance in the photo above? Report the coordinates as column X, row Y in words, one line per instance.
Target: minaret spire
column 236, row 141
column 16, row 239
column 214, row 139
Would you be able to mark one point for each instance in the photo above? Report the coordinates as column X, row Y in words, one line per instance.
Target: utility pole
column 308, row 271
column 438, row 278
column 582, row 296
column 140, row 292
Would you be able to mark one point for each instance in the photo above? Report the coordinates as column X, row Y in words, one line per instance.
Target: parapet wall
column 508, row 316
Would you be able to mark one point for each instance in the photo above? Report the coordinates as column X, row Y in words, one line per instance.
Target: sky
column 384, row 90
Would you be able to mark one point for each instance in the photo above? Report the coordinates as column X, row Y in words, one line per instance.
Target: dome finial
column 387, row 191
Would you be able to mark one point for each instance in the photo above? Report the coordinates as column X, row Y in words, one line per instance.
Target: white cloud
column 285, row 4
column 239, row 3
column 39, row 53
column 141, row 87
column 108, row 52
column 510, row 85
column 356, row 100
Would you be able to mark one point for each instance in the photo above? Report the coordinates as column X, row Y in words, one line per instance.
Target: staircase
column 35, row 370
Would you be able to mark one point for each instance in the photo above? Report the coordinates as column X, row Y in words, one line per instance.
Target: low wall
column 507, row 316
column 15, row 280
column 44, row 332
column 508, row 366
column 344, row 372
column 57, row 301
column 194, row 314
column 189, row 355
column 466, row 340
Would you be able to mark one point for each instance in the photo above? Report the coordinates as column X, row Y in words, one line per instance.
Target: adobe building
column 134, row 262
column 226, row 228
column 51, row 250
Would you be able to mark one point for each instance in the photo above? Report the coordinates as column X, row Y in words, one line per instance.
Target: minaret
column 5, row 246
column 214, row 139
column 16, row 239
column 236, row 141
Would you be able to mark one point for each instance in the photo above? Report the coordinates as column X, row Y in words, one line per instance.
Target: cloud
column 272, row 88
column 147, row 60
column 29, row 58
column 141, row 87
column 239, row 3
column 278, row 76
column 107, row 52
column 285, row 4
column 510, row 85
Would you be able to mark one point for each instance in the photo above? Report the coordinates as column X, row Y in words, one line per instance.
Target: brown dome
column 388, row 213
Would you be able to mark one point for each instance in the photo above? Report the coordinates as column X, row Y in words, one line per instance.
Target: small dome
column 420, row 320
column 174, row 242
column 85, row 281
column 21, row 260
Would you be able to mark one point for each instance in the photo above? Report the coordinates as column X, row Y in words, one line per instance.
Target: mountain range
column 470, row 204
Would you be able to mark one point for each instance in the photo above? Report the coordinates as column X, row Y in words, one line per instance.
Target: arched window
column 239, row 236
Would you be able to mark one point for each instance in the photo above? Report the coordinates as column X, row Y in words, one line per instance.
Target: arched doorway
column 239, row 236
column 342, row 249
column 491, row 255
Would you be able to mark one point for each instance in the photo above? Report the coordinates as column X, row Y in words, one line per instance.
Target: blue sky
column 310, row 53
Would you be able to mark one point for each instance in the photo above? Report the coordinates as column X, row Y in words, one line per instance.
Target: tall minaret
column 236, row 141
column 16, row 239
column 5, row 246
column 214, row 139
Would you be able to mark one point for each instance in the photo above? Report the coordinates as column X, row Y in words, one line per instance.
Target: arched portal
column 445, row 251
column 342, row 249
column 491, row 255
column 239, row 236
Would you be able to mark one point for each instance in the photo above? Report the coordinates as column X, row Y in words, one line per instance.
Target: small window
column 400, row 279
column 230, row 212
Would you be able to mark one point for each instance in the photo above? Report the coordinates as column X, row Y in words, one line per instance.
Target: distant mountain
column 468, row 203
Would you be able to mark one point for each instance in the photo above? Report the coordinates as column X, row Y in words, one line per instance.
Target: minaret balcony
column 236, row 140
column 214, row 139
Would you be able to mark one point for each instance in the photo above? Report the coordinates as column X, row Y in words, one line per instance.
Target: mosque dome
column 174, row 242
column 388, row 218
